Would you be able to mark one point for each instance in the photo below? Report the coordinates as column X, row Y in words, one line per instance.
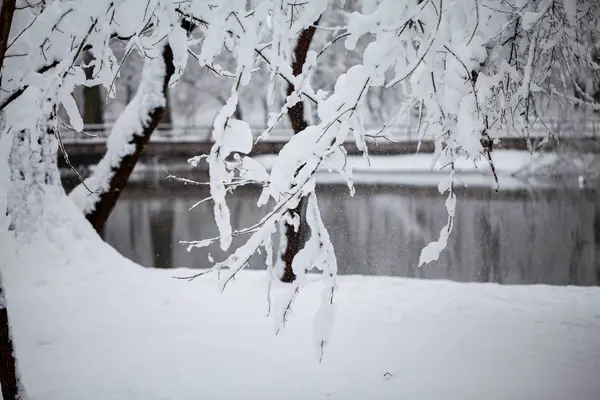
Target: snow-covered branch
column 98, row 193
column 473, row 70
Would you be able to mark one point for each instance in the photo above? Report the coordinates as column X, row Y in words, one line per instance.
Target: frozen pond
column 523, row 236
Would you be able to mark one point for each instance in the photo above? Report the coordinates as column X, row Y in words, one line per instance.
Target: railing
column 166, row 132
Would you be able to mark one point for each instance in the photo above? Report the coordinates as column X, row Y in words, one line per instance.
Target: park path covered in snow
column 90, row 324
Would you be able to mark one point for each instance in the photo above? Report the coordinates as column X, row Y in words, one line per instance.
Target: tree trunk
column 93, row 105
column 6, row 16
column 10, row 380
column 113, row 171
column 34, row 173
column 297, row 238
column 237, row 114
column 34, row 176
column 167, row 117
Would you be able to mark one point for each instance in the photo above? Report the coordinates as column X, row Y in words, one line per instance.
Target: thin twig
column 420, row 60
column 66, row 157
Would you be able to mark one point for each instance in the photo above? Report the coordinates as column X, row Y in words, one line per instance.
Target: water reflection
column 550, row 236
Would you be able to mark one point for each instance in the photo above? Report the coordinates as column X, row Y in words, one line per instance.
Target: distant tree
column 10, row 378
column 167, row 116
column 93, row 100
column 215, row 85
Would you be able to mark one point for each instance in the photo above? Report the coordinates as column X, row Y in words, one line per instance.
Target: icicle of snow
column 317, row 253
column 282, row 307
column 67, row 100
column 219, row 175
column 268, row 245
column 323, row 323
column 432, row 251
column 252, row 170
column 179, row 46
column 325, row 260
column 221, row 19
column 236, row 137
column 337, row 161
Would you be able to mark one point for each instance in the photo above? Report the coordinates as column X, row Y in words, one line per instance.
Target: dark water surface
column 524, row 236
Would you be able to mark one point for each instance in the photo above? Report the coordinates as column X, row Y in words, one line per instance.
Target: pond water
column 524, row 236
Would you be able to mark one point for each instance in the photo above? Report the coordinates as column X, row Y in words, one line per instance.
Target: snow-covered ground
column 90, row 324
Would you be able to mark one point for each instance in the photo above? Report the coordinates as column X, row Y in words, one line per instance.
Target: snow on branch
column 133, row 121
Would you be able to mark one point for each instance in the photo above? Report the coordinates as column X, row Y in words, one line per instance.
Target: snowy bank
column 422, row 169
column 90, row 324
column 411, row 170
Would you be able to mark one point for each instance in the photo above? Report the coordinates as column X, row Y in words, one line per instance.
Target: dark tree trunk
column 128, row 93
column 9, row 377
column 6, row 17
column 237, row 114
column 93, row 105
column 297, row 239
column 161, row 232
column 107, row 200
column 167, row 118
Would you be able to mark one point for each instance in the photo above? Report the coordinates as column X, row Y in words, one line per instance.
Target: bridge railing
column 167, row 132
